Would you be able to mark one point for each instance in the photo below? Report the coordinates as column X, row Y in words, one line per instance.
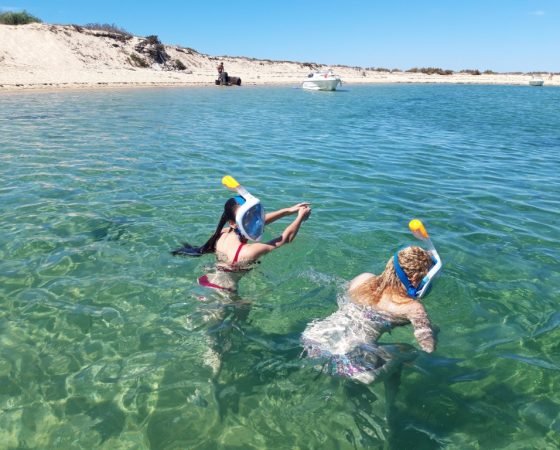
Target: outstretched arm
column 275, row 215
column 255, row 251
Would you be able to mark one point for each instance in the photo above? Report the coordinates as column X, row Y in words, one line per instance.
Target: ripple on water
column 105, row 339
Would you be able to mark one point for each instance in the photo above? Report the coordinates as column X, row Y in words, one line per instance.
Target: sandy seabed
column 43, row 56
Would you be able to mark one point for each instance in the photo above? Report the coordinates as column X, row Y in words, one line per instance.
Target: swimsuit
column 345, row 342
column 204, row 281
column 234, row 262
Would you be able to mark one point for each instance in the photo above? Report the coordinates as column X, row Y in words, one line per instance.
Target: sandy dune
column 42, row 56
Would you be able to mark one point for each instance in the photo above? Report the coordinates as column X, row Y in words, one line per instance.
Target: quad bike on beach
column 226, row 80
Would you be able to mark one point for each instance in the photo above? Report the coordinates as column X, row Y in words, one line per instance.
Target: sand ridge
column 43, row 56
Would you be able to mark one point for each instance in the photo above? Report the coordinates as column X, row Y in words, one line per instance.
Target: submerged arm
column 423, row 331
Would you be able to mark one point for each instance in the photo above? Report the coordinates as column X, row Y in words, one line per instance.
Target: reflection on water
column 108, row 342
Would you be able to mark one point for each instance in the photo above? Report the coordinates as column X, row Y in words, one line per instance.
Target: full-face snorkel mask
column 250, row 214
column 424, row 287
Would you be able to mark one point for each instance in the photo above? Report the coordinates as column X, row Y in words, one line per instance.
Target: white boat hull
column 327, row 84
column 536, row 82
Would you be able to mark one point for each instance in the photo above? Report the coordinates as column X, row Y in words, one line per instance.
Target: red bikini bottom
column 204, row 281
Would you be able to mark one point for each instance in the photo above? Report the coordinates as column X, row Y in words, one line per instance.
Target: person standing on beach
column 222, row 74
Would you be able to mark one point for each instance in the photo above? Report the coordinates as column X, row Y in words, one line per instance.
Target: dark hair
column 210, row 246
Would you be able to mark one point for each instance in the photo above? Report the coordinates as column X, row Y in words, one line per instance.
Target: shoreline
column 39, row 57
column 122, row 85
column 152, row 80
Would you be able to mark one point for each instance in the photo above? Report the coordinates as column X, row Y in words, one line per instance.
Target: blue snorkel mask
column 250, row 216
column 425, row 284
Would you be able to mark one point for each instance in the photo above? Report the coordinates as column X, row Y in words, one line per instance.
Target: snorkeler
column 245, row 219
column 346, row 340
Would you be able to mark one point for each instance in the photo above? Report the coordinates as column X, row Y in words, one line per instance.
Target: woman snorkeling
column 346, row 340
column 245, row 219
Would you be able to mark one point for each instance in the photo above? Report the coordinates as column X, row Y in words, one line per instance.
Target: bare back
column 398, row 306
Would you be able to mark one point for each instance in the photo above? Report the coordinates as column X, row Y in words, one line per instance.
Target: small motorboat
column 322, row 81
column 536, row 81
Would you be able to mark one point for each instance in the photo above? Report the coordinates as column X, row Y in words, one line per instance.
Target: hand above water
column 295, row 209
column 304, row 210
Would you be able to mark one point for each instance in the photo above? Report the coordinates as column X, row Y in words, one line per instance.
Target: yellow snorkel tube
column 419, row 231
column 231, row 183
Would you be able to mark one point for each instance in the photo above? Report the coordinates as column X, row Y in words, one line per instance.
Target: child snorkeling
column 245, row 219
column 346, row 340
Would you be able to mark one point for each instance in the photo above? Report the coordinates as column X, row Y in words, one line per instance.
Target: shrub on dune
column 18, row 18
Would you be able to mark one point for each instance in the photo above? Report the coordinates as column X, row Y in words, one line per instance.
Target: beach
column 43, row 56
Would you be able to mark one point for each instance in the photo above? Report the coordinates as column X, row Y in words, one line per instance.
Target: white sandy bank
column 42, row 56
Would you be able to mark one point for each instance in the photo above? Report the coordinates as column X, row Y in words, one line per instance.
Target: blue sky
column 500, row 35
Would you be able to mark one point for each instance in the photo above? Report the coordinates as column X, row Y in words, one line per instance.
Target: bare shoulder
column 359, row 280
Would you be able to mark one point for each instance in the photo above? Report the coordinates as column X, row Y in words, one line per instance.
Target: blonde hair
column 415, row 261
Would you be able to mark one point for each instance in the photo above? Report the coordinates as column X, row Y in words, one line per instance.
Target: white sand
column 42, row 56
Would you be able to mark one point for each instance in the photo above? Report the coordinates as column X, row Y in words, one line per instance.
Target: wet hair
column 416, row 263
column 187, row 249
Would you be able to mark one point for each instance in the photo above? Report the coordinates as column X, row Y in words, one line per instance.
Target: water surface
column 108, row 342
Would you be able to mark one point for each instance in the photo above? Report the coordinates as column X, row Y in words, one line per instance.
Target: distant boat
column 536, row 81
column 322, row 81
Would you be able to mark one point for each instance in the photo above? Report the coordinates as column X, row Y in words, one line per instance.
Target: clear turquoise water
column 104, row 337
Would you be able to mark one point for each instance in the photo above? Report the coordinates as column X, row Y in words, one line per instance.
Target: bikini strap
column 237, row 252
